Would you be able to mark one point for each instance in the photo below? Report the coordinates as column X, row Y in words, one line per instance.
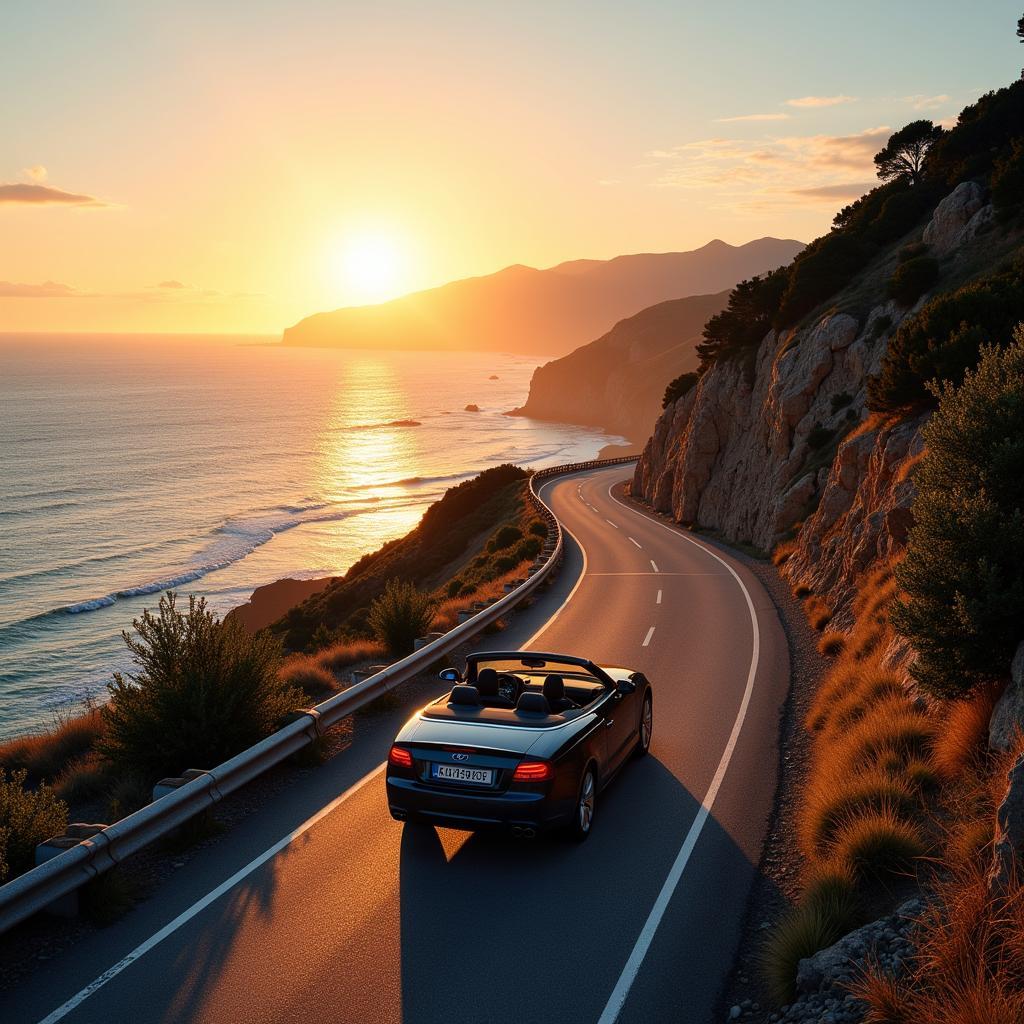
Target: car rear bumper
column 412, row 800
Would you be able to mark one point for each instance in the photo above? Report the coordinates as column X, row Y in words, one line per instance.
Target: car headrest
column 487, row 682
column 466, row 696
column 554, row 688
column 533, row 703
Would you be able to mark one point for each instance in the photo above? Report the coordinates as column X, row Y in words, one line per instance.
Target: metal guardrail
column 63, row 874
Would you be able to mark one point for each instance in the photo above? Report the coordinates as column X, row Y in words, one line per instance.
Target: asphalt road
column 319, row 907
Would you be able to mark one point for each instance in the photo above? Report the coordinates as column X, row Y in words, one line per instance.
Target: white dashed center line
column 636, row 542
column 657, row 600
column 610, row 523
column 647, row 639
column 654, row 565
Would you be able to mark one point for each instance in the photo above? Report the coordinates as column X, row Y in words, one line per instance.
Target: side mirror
column 625, row 686
column 450, row 675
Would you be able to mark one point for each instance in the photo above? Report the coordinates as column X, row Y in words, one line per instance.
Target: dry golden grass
column 875, row 843
column 343, row 655
column 967, row 968
column 47, row 753
column 819, row 615
column 892, row 732
column 783, row 551
column 305, row 672
column 446, row 613
column 966, row 841
column 832, row 800
column 832, row 643
column 83, row 779
column 961, row 737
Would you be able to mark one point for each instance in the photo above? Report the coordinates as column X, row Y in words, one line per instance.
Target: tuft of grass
column 44, row 755
column 877, row 843
column 832, row 643
column 966, row 841
column 783, row 552
column 82, row 780
column 833, row 800
column 344, row 655
column 960, row 741
column 801, row 590
column 819, row 615
column 892, row 726
column 306, row 673
column 827, row 911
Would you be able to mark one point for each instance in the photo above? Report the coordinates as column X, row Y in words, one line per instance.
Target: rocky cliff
column 617, row 382
column 781, row 445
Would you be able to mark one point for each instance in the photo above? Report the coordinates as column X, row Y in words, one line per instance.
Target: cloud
column 779, row 170
column 752, row 117
column 922, row 102
column 170, row 284
column 844, row 190
column 46, row 290
column 820, row 101
column 37, row 195
column 37, row 173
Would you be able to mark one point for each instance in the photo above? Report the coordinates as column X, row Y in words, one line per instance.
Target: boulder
column 472, row 408
column 946, row 230
column 1009, row 834
column 1008, row 715
column 839, row 965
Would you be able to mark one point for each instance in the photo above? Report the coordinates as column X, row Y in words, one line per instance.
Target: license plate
column 457, row 773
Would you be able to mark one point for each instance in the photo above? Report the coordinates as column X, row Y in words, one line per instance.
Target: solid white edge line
column 620, row 992
column 647, row 639
column 657, row 600
column 229, row 883
column 200, row 905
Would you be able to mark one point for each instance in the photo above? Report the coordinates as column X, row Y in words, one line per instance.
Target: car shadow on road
column 500, row 930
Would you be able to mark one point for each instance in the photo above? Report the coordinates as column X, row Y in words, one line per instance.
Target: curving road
column 319, row 907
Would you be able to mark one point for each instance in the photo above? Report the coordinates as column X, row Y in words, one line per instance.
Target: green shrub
column 912, row 251
column 824, row 267
column 746, row 319
column 538, row 528
column 27, row 818
column 962, row 579
column 504, row 537
column 682, row 385
column 400, row 615
column 1008, row 179
column 942, row 339
column 827, row 911
column 912, row 279
column 202, row 691
column 322, row 637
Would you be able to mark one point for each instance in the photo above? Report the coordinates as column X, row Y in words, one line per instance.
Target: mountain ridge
column 546, row 311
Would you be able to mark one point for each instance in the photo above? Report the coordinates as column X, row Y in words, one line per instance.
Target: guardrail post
column 169, row 785
column 65, row 906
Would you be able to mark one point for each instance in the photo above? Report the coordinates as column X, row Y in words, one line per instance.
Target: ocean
column 212, row 465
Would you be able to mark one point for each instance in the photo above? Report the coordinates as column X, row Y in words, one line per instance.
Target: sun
column 369, row 267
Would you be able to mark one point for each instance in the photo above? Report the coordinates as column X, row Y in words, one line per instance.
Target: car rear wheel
column 586, row 801
column 643, row 743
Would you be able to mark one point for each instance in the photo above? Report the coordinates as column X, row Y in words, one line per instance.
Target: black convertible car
column 524, row 741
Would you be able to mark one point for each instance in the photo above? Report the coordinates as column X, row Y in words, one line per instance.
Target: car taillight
column 532, row 771
column 401, row 757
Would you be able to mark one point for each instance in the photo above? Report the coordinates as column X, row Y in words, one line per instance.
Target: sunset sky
column 235, row 166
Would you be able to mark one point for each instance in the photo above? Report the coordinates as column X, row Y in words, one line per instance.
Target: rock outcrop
column 782, row 444
column 1007, row 722
column 1008, row 847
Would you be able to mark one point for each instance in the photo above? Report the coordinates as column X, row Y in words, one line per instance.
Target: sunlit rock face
column 782, row 446
column 751, row 452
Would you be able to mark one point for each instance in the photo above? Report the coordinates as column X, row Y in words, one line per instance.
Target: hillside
column 478, row 532
column 617, row 382
column 549, row 312
column 858, row 414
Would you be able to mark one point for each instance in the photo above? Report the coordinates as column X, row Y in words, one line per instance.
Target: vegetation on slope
column 479, row 531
